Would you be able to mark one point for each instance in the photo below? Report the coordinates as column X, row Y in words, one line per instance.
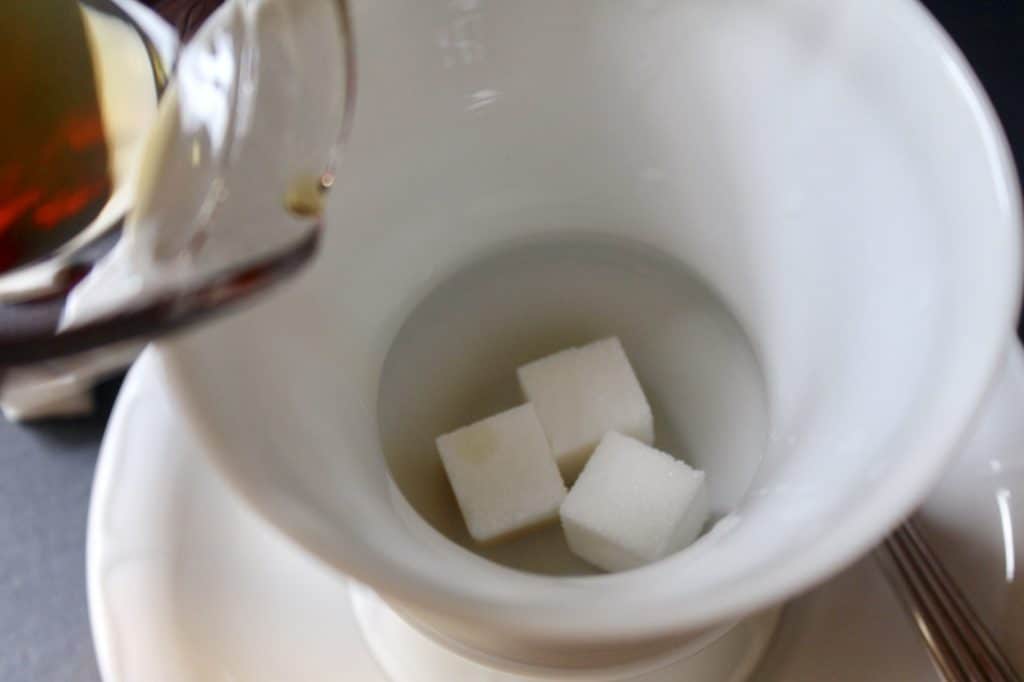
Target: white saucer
column 185, row 583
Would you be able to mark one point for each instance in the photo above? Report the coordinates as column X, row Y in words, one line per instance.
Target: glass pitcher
column 166, row 161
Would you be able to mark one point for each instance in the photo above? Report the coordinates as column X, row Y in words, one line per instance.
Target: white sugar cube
column 632, row 505
column 504, row 477
column 580, row 394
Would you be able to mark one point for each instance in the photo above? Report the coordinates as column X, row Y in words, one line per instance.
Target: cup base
column 406, row 654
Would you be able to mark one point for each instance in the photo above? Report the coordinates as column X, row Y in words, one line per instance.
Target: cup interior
column 835, row 185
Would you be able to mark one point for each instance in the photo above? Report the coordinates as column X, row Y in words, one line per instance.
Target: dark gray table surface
column 47, row 469
column 44, row 496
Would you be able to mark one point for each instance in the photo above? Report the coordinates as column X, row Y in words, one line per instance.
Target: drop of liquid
column 305, row 196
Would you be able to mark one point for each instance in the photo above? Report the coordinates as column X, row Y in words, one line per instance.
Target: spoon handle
column 960, row 645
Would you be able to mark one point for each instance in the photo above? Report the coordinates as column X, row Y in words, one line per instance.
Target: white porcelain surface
column 841, row 182
column 186, row 583
column 407, row 654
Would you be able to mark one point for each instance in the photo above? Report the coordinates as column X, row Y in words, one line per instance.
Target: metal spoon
column 961, row 647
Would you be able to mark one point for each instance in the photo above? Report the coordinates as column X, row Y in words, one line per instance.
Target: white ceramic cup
column 831, row 169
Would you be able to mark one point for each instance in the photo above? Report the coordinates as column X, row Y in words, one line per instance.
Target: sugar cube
column 633, row 504
column 504, row 477
column 582, row 393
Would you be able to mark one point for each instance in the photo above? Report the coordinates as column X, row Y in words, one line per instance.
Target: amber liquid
column 54, row 165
